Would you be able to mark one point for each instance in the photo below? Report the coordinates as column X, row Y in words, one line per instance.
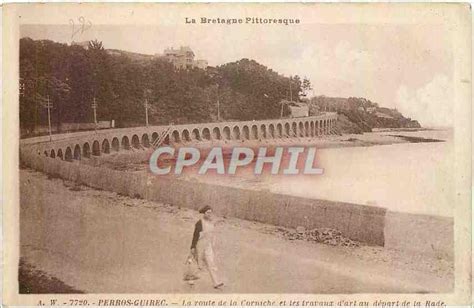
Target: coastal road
column 99, row 242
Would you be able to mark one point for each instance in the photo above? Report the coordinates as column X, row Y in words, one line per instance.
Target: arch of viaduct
column 75, row 146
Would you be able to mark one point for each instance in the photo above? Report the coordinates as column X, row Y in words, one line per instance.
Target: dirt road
column 99, row 242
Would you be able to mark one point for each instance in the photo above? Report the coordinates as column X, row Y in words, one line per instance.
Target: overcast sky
column 409, row 67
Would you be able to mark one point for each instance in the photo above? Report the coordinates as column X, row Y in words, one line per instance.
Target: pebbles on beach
column 320, row 235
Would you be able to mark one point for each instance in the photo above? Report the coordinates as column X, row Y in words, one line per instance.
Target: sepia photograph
column 230, row 149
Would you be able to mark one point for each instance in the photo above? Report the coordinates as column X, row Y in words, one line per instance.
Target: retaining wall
column 68, row 127
column 362, row 223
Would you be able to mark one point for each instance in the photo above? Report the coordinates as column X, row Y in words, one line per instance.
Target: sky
column 408, row 67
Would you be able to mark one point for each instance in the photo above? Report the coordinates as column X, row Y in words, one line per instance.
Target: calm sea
column 408, row 177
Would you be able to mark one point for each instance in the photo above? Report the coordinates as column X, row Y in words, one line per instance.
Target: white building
column 183, row 58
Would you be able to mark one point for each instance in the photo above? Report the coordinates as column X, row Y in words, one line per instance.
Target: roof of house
column 181, row 50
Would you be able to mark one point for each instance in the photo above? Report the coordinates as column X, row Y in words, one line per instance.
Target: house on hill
column 83, row 44
column 296, row 109
column 183, row 58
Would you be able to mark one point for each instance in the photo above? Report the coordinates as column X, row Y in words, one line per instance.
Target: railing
column 161, row 138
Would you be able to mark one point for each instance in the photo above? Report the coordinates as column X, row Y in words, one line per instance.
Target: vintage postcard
column 237, row 154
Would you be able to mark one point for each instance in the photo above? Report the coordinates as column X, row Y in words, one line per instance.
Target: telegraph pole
column 291, row 93
column 94, row 107
column 218, row 103
column 146, row 111
column 48, row 106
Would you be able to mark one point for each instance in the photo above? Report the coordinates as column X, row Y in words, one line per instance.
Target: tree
column 306, row 86
column 95, row 45
column 73, row 76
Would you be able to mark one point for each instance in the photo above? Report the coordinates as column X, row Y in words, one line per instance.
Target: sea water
column 404, row 177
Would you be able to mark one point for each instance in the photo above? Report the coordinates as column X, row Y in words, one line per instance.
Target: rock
column 300, row 229
column 323, row 235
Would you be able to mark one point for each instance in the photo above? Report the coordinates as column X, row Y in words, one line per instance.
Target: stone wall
column 74, row 146
column 68, row 127
column 362, row 223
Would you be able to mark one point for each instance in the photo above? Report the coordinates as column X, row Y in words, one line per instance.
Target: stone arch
column 52, row 154
column 196, row 135
column 45, row 153
column 311, row 128
column 226, row 132
column 175, row 137
column 287, row 129
column 294, row 130
column 185, row 135
column 236, row 133
column 154, row 137
column 60, row 154
column 279, row 130
column 263, row 131
column 167, row 139
column 300, row 129
column 306, row 129
column 115, row 144
column 96, row 148
column 77, row 152
column 246, row 132
column 206, row 134
column 271, row 131
column 105, row 146
column 86, row 150
column 68, row 154
column 254, row 132
column 216, row 133
column 135, row 141
column 145, row 141
column 125, row 143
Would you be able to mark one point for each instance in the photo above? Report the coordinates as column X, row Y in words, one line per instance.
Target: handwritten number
column 83, row 26
column 71, row 22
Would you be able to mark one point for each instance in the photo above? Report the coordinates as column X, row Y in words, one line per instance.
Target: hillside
column 137, row 57
column 71, row 77
column 358, row 115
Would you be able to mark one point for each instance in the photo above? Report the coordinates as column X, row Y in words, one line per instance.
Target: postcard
column 237, row 154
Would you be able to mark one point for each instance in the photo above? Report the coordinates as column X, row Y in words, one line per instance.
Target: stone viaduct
column 75, row 146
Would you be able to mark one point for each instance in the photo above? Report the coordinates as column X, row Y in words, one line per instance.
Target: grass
column 34, row 281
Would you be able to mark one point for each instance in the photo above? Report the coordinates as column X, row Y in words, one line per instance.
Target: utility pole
column 291, row 93
column 146, row 111
column 218, row 103
column 48, row 106
column 94, row 106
